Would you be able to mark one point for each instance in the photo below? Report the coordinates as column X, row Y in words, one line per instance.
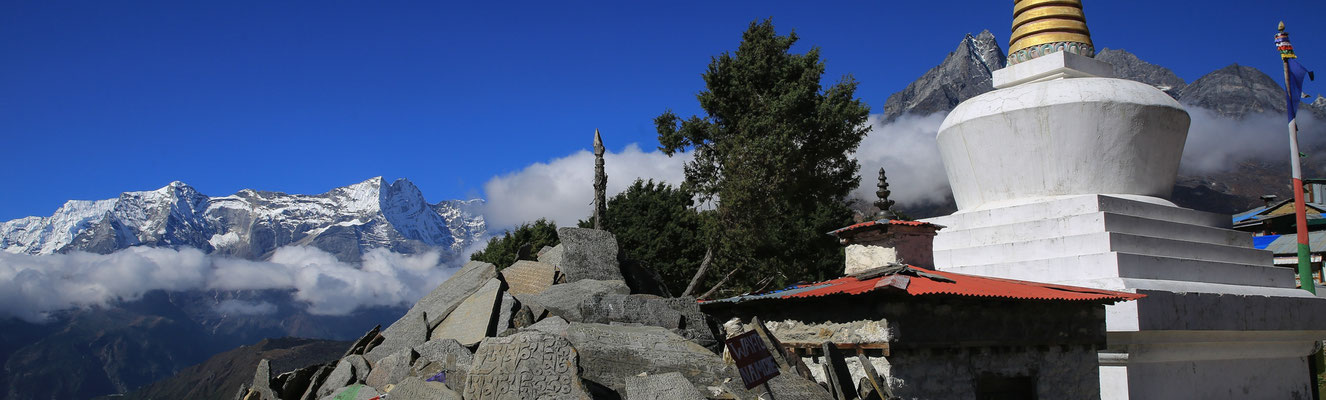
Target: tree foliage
column 656, row 226
column 503, row 251
column 772, row 154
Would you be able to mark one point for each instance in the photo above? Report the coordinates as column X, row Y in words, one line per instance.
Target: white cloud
column 907, row 150
column 562, row 190
column 1217, row 143
column 33, row 286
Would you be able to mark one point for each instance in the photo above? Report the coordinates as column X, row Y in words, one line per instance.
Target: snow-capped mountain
column 346, row 221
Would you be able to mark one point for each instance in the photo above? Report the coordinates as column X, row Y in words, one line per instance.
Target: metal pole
column 1300, row 209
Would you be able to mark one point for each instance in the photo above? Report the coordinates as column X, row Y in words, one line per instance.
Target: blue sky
column 101, row 97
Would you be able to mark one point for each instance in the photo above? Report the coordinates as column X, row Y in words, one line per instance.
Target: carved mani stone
column 473, row 319
column 529, row 277
column 526, row 365
column 611, row 353
column 588, row 254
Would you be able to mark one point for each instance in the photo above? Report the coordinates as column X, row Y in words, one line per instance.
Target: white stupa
column 1062, row 175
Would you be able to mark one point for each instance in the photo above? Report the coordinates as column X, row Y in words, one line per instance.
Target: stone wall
column 941, row 346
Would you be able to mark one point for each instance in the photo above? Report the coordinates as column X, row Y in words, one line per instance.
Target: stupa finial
column 1043, row 27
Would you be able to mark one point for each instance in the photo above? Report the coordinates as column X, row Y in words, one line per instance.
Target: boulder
column 681, row 315
column 611, row 353
column 551, row 325
column 588, row 254
column 409, row 331
column 390, row 369
column 262, row 381
column 433, row 308
column 564, row 300
column 529, row 277
column 474, row 319
column 319, row 377
column 507, row 308
column 526, row 365
column 414, row 388
column 445, row 356
column 351, row 369
column 295, row 383
column 669, row 386
column 552, row 256
column 361, row 345
column 353, row 392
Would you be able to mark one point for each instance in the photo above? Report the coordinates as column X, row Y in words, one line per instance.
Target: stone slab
column 506, row 311
column 611, row 353
column 526, row 365
column 446, row 356
column 350, row 369
column 552, row 325
column 564, row 300
column 311, row 393
column 361, row 345
column 391, row 369
column 552, row 256
column 434, row 307
column 473, row 320
column 297, row 382
column 529, row 277
column 669, row 386
column 417, row 389
column 262, row 381
column 588, row 254
column 407, row 332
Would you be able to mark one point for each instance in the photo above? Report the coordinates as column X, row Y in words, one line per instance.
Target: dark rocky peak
column 1128, row 66
column 1235, row 91
column 964, row 74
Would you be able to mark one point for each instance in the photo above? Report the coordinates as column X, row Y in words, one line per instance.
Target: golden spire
column 1043, row 27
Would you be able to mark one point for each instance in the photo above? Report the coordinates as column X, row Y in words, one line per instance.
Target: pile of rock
column 566, row 326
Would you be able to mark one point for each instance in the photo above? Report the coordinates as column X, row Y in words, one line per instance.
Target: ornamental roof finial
column 1042, row 27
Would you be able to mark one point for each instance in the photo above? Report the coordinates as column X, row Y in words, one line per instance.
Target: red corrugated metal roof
column 961, row 285
column 882, row 222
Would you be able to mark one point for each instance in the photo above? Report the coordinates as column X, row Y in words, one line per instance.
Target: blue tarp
column 1260, row 242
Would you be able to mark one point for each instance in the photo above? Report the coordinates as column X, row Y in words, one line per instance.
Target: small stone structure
column 941, row 345
column 874, row 244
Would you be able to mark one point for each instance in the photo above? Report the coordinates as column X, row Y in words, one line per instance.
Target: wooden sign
column 753, row 359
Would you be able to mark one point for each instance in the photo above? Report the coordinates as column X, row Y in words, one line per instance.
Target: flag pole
column 1300, row 208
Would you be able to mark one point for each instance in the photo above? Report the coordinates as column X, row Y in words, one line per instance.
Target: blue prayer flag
column 1295, row 85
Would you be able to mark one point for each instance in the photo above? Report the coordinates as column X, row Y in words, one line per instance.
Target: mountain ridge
column 345, row 221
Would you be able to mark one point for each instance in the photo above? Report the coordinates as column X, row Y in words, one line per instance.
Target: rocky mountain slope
column 251, row 224
column 1235, row 92
column 964, row 73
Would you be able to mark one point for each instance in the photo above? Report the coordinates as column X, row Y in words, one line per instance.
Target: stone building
column 932, row 334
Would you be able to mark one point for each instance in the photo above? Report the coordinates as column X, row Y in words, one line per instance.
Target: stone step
column 1100, row 242
column 1079, row 205
column 1076, row 268
column 1089, row 223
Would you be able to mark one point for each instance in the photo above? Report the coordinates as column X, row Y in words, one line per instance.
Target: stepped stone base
column 1219, row 320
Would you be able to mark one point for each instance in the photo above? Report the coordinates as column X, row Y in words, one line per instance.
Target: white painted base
column 1219, row 320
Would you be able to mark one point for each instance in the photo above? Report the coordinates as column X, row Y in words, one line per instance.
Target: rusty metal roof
column 867, row 224
column 916, row 283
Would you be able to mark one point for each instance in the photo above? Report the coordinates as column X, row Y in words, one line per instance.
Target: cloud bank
column 562, row 190
column 33, row 286
column 907, row 150
column 1217, row 143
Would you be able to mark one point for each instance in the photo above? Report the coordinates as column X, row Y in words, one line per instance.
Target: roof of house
column 1282, row 207
column 914, row 281
column 881, row 222
column 1288, row 243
